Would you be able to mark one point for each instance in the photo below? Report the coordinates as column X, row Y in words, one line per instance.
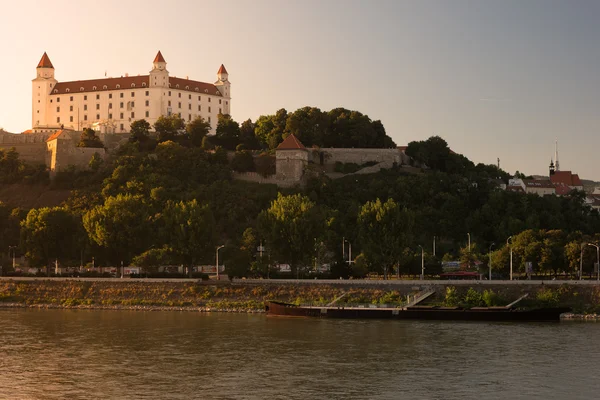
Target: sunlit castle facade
column 109, row 105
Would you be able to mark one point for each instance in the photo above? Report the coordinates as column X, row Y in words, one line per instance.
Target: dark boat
column 276, row 308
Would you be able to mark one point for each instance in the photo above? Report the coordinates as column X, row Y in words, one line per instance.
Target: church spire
column 556, row 165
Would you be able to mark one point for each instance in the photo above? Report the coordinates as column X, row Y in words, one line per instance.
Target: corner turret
column 42, row 87
column 224, row 87
column 159, row 76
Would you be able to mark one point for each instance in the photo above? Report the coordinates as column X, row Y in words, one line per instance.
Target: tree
column 48, row 234
column 197, row 130
column 269, row 129
column 242, row 161
column 247, row 136
column 139, row 131
column 384, row 230
column 89, row 139
column 188, row 228
column 309, row 124
column 121, row 226
column 96, row 162
column 228, row 132
column 169, row 127
column 469, row 257
column 290, row 226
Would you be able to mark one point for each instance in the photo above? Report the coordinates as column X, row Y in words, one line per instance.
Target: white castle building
column 109, row 105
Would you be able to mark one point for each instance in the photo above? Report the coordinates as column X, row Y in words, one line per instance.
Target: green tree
column 89, row 139
column 384, row 230
column 48, row 234
column 197, row 130
column 189, row 232
column 121, row 226
column 247, row 135
column 228, row 132
column 290, row 227
column 470, row 257
column 139, row 131
column 169, row 127
column 96, row 162
column 242, row 161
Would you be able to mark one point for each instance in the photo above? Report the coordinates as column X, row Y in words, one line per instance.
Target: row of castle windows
column 131, row 104
column 110, row 116
column 121, row 95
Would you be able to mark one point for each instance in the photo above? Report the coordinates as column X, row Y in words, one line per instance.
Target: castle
column 109, row 105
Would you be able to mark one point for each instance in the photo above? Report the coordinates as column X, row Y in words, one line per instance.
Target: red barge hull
column 501, row 314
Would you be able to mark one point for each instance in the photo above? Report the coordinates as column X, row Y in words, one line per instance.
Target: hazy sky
column 494, row 78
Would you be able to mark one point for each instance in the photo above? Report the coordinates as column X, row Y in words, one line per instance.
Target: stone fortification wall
column 31, row 147
column 67, row 154
column 361, row 156
column 258, row 178
column 290, row 164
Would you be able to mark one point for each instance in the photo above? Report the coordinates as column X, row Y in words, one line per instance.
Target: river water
column 92, row 354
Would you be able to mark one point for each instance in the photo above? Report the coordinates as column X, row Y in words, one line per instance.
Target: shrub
column 451, row 299
column 473, row 298
column 547, row 297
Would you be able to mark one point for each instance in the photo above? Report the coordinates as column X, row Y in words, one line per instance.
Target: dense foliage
column 169, row 198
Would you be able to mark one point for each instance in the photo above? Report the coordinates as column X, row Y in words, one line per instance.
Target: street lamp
column 490, row 266
column 511, row 263
column 422, row 263
column 581, row 262
column 349, row 252
column 434, row 246
column 469, row 236
column 13, row 248
column 597, row 259
column 218, row 248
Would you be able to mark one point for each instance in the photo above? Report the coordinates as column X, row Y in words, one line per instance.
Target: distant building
column 109, row 105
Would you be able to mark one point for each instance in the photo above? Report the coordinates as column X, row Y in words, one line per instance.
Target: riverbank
column 249, row 297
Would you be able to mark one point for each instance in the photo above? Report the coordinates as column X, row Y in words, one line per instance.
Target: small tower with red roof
column 159, row 76
column 42, row 87
column 224, row 87
column 291, row 159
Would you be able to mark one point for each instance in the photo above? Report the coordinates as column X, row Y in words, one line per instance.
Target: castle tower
column 551, row 172
column 224, row 87
column 291, row 158
column 159, row 76
column 42, row 87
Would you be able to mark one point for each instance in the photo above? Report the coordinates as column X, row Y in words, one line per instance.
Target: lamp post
column 13, row 248
column 581, row 262
column 511, row 258
column 217, row 260
column 349, row 252
column 434, row 246
column 469, row 236
column 597, row 259
column 422, row 263
column 490, row 263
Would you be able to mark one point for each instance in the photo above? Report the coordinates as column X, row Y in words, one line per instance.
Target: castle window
column 70, row 108
column 97, row 116
column 121, row 115
column 110, row 105
column 121, row 95
column 147, row 103
column 57, row 109
column 169, row 103
column 132, row 114
column 189, row 97
column 209, row 99
column 121, row 126
column 70, row 98
column 71, row 118
column 133, row 85
column 209, row 120
column 147, row 114
column 179, row 95
column 81, row 89
column 179, row 105
column 187, row 88
column 85, row 117
column 147, row 93
column 219, row 101
column 85, row 97
column 199, row 108
column 85, row 107
column 97, row 97
column 132, row 104
column 177, row 86
column 121, row 105
column 132, row 94
column 143, row 84
column 169, row 93
column 97, row 106
column 196, row 89
column 220, row 112
column 109, row 116
column 205, row 90
column 57, row 119
column 67, row 90
column 118, row 86
column 189, row 106
column 189, row 117
column 58, row 99
column 199, row 98
column 208, row 109
column 94, row 87
column 226, row 102
column 104, row 87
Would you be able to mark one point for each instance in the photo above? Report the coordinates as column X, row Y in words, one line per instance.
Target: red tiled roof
column 515, row 188
column 126, row 82
column 55, row 135
column 27, row 132
column 562, row 189
column 222, row 70
column 538, row 183
column 159, row 57
column 291, row 143
column 566, row 177
column 45, row 62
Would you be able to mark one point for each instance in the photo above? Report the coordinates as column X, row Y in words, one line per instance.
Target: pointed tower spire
column 556, row 165
column 159, row 58
column 45, row 62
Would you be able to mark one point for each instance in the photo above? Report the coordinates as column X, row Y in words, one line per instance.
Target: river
column 93, row 354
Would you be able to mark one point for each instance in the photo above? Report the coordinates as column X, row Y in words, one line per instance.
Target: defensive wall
column 362, row 156
column 31, row 147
